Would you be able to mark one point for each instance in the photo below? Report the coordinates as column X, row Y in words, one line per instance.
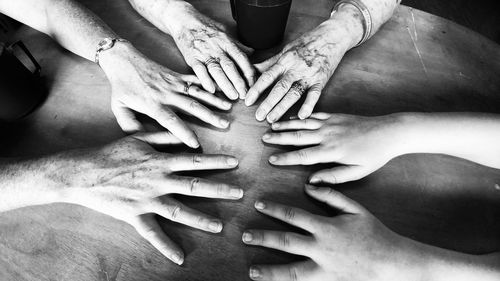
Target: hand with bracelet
column 306, row 64
column 138, row 84
column 216, row 58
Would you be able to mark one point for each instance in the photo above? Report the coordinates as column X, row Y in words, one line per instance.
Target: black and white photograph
column 266, row 140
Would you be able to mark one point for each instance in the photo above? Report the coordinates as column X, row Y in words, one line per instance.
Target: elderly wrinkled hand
column 130, row 181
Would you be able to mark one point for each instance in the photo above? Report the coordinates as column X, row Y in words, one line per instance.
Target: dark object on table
column 261, row 23
column 20, row 90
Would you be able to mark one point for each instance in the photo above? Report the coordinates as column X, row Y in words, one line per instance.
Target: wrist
column 112, row 58
column 174, row 16
column 348, row 21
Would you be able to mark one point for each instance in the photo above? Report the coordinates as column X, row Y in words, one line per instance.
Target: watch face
column 106, row 43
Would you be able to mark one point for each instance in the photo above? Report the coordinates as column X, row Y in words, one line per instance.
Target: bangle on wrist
column 104, row 45
column 367, row 17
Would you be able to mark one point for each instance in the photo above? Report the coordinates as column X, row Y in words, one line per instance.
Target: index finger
column 169, row 120
column 265, row 80
column 294, row 216
column 244, row 63
column 196, row 162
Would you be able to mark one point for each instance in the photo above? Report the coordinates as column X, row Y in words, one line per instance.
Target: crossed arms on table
column 353, row 245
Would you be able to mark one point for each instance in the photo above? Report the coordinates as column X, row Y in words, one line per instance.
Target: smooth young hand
column 130, row 181
column 303, row 67
column 351, row 246
column 361, row 145
column 140, row 85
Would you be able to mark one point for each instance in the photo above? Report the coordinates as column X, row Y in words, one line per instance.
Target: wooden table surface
column 417, row 62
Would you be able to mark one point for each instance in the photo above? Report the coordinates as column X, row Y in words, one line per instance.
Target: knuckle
column 174, row 211
column 289, row 213
column 196, row 159
column 195, row 105
column 282, row 84
column 267, row 76
column 298, row 135
column 193, row 185
column 302, row 154
column 293, row 273
column 284, row 239
column 295, row 94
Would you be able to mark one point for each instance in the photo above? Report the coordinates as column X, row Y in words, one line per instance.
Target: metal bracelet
column 106, row 44
column 367, row 17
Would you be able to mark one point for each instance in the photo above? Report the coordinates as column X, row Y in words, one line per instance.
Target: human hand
column 351, row 246
column 140, row 85
column 210, row 52
column 130, row 181
column 304, row 66
column 361, row 145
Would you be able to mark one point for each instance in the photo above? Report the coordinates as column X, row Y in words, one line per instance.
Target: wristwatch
column 106, row 44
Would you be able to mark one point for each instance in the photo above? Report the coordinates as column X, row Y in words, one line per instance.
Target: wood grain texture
column 417, row 62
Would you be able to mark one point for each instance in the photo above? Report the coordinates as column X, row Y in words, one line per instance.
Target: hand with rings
column 304, row 66
column 214, row 57
column 140, row 85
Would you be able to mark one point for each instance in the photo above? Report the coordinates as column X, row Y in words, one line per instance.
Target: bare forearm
column 436, row 264
column 23, row 183
column 472, row 136
column 163, row 14
column 75, row 27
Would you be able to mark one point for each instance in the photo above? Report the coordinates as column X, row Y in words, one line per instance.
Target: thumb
column 334, row 199
column 339, row 174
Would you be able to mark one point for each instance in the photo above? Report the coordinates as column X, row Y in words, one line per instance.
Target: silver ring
column 298, row 87
column 186, row 87
column 212, row 61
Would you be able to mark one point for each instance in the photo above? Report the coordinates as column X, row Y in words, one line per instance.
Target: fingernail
column 271, row 118
column 260, row 205
column 273, row 159
column 266, row 136
column 275, row 125
column 247, row 237
column 232, row 161
column 227, row 104
column 248, row 101
column 215, row 226
column 236, row 192
column 224, row 123
column 193, row 143
column 260, row 114
column 177, row 258
column 255, row 273
column 315, row 180
column 311, row 187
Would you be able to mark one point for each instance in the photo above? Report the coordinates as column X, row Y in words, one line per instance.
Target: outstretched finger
column 169, row 120
column 208, row 98
column 244, row 63
column 233, row 75
column 310, row 102
column 306, row 156
column 296, row 272
column 265, row 65
column 335, row 199
column 178, row 212
column 293, row 95
column 148, row 227
column 191, row 186
column 297, row 138
column 126, row 119
column 217, row 73
column 195, row 162
column 158, row 138
column 201, row 71
column 277, row 93
column 196, row 109
column 306, row 124
column 289, row 242
column 339, row 174
column 265, row 80
column 294, row 216
column 321, row 115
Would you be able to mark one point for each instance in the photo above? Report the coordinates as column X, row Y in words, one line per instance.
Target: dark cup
column 261, row 23
column 20, row 90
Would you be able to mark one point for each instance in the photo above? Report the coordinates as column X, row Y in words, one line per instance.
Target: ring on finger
column 187, row 86
column 212, row 61
column 298, row 87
